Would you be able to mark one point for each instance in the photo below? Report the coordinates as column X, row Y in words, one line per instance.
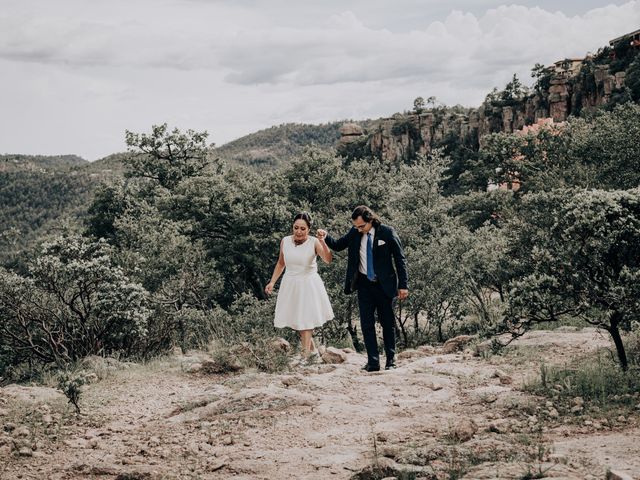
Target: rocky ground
column 438, row 416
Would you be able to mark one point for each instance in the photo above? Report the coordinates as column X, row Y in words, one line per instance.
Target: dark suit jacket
column 382, row 259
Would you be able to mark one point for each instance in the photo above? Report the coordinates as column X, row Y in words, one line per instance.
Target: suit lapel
column 374, row 249
column 375, row 240
column 357, row 239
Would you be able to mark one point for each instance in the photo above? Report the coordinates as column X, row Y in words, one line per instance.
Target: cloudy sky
column 75, row 74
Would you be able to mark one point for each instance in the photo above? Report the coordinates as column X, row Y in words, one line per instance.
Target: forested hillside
column 39, row 195
column 39, row 162
column 278, row 145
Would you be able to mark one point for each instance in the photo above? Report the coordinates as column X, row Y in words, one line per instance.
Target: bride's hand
column 269, row 288
column 321, row 234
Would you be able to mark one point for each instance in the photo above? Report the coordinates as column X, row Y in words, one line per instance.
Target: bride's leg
column 306, row 341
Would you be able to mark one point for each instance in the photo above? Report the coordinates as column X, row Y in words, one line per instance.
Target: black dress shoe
column 371, row 368
column 391, row 363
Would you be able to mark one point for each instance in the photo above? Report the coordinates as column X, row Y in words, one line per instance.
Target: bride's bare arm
column 277, row 271
column 322, row 249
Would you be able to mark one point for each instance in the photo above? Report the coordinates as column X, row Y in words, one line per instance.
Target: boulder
column 456, row 344
column 351, row 129
column 25, row 452
column 409, row 353
column 218, row 366
column 334, row 355
column 464, row 430
column 618, row 475
column 281, row 344
column 504, row 378
column 193, row 368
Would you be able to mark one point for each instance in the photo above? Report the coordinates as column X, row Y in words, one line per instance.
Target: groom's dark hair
column 367, row 215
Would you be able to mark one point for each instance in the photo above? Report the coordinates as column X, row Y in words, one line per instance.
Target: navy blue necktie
column 370, row 273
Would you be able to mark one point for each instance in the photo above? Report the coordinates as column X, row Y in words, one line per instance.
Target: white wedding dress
column 303, row 303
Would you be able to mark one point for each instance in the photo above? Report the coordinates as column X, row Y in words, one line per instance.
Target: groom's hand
column 321, row 234
column 403, row 294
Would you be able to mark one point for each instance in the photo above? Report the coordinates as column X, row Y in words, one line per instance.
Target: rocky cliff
column 567, row 88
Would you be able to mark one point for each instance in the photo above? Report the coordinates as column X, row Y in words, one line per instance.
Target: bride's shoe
column 313, row 358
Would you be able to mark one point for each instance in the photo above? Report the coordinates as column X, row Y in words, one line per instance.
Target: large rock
column 464, row 430
column 25, row 452
column 409, row 353
column 349, row 129
column 334, row 355
column 280, row 344
column 456, row 344
column 218, row 366
column 504, row 378
column 350, row 133
column 618, row 475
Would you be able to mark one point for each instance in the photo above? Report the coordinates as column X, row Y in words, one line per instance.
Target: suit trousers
column 371, row 298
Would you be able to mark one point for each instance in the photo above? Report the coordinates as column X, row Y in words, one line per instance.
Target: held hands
column 321, row 234
column 268, row 289
column 403, row 294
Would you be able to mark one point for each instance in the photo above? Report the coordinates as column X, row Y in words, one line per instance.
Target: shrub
column 598, row 380
column 70, row 383
column 76, row 303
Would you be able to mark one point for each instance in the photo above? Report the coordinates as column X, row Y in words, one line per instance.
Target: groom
column 370, row 272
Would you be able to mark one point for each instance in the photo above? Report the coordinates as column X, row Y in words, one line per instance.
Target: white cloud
column 76, row 74
column 510, row 37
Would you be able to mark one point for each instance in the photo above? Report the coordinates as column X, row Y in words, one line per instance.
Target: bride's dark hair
column 303, row 216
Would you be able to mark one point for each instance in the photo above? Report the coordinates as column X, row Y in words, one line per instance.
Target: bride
column 302, row 303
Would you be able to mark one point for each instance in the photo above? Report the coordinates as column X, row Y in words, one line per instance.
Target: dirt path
column 437, row 415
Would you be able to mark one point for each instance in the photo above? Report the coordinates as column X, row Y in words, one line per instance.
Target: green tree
column 504, row 159
column 167, row 157
column 432, row 247
column 182, row 279
column 602, row 151
column 599, row 151
column 109, row 203
column 239, row 216
column 513, row 91
column 579, row 257
column 632, row 79
column 542, row 76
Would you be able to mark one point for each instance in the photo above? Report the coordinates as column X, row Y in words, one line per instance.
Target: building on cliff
column 569, row 67
column 633, row 38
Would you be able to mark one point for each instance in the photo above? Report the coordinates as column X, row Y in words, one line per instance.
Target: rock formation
column 571, row 86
